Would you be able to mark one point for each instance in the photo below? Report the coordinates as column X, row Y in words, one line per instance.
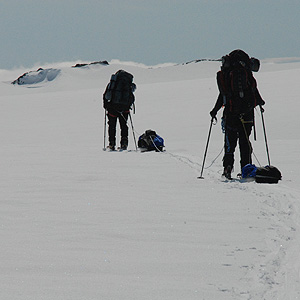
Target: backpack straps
column 221, row 81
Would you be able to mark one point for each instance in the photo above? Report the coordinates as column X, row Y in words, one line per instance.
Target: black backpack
column 267, row 174
column 150, row 141
column 119, row 91
column 236, row 82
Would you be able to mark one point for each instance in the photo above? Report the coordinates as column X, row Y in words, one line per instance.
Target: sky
column 151, row 32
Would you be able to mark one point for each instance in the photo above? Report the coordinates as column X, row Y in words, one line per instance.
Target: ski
column 117, row 150
column 237, row 179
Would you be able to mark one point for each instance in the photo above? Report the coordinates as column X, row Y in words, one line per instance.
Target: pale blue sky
column 145, row 31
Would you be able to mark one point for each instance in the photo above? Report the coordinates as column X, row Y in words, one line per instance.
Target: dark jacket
column 231, row 118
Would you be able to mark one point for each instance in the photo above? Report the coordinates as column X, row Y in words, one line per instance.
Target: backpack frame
column 236, row 82
column 119, row 91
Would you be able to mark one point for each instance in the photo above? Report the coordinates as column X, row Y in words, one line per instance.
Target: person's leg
column 245, row 145
column 112, row 122
column 123, row 117
column 230, row 142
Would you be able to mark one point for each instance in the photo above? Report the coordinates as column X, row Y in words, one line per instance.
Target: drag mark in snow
column 272, row 276
column 194, row 165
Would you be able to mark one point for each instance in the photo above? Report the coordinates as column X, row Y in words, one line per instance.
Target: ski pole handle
column 261, row 109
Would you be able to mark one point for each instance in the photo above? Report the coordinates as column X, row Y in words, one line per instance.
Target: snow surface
column 80, row 223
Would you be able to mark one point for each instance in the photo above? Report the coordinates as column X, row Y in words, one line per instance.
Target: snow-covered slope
column 81, row 223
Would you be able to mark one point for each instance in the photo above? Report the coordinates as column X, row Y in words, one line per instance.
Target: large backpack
column 150, row 141
column 236, row 82
column 267, row 174
column 119, row 91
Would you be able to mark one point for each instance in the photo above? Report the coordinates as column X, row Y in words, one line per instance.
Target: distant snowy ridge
column 80, row 65
column 38, row 76
column 49, row 73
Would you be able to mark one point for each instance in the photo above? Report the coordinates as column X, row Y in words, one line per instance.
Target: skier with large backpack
column 238, row 94
column 118, row 99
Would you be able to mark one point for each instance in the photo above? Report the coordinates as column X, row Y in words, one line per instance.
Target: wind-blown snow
column 81, row 223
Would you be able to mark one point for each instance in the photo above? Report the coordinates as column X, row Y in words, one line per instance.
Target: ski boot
column 111, row 147
column 124, row 143
column 227, row 172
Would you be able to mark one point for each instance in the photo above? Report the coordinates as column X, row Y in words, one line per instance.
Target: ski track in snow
column 279, row 207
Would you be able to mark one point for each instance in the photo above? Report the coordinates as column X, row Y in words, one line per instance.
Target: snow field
column 81, row 223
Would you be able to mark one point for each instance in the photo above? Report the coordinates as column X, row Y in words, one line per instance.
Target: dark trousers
column 112, row 124
column 232, row 136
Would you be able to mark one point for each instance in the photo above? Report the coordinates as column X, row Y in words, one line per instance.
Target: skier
column 118, row 99
column 239, row 96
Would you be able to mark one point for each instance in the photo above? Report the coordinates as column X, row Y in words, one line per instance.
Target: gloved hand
column 261, row 103
column 213, row 114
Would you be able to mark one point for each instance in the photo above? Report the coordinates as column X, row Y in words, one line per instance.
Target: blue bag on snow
column 150, row 141
column 249, row 171
column 267, row 174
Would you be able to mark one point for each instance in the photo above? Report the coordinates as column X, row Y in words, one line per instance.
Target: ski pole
column 104, row 130
column 254, row 128
column 264, row 128
column 205, row 152
column 133, row 131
